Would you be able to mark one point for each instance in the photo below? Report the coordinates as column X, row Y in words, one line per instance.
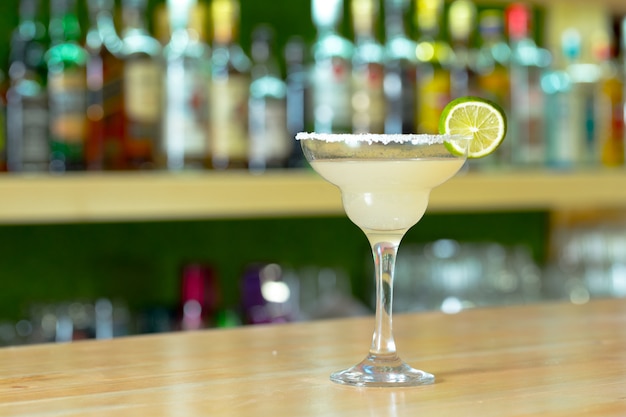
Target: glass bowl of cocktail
column 385, row 183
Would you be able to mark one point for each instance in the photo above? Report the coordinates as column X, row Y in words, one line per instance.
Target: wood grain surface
column 551, row 359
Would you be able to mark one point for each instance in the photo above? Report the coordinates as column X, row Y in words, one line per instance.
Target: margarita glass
column 385, row 182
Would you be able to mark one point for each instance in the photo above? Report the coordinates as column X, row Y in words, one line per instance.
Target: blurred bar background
column 127, row 89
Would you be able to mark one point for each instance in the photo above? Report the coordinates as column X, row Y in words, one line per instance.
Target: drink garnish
column 481, row 119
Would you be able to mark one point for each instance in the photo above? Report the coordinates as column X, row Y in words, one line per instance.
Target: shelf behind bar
column 102, row 197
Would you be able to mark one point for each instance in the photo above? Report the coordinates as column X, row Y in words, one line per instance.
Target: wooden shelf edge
column 210, row 195
column 530, row 190
column 163, row 196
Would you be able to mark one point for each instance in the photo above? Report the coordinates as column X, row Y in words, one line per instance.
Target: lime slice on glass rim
column 481, row 119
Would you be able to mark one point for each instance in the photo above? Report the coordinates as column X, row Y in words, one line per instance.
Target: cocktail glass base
column 377, row 371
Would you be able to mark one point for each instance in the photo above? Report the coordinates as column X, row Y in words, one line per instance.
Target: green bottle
column 67, row 88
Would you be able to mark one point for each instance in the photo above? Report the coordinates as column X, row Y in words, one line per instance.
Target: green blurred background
column 140, row 262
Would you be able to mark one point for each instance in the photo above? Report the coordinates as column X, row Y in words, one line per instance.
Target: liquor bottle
column 229, row 89
column 585, row 78
column 185, row 136
column 528, row 61
column 368, row 96
column 27, row 146
column 435, row 59
column 270, row 145
column 621, row 64
column 265, row 296
column 3, row 125
column 330, row 74
column 199, row 298
column 296, row 97
column 142, row 87
column 161, row 23
column 565, row 107
column 198, row 20
column 461, row 24
column 492, row 73
column 104, row 79
column 561, row 128
column 609, row 103
column 493, row 58
column 67, row 88
column 400, row 71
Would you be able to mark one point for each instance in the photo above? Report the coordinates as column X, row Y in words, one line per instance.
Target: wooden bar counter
column 552, row 359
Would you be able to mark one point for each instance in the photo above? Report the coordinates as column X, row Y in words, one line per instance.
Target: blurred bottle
column 568, row 118
column 27, row 146
column 3, row 125
column 330, row 74
column 104, row 80
column 526, row 132
column 110, row 318
column 185, row 138
column 104, row 327
column 462, row 25
column 560, row 126
column 67, row 88
column 585, row 78
column 270, row 144
column 229, row 89
column 265, row 297
column 142, row 87
column 435, row 59
column 155, row 319
column 622, row 70
column 200, row 297
column 493, row 58
column 400, row 71
column 609, row 103
column 161, row 23
column 198, row 20
column 297, row 97
column 492, row 71
column 322, row 293
column 368, row 97
column 253, row 304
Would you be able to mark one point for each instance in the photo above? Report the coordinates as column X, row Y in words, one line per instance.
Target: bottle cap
column 326, row 13
column 518, row 20
column 462, row 15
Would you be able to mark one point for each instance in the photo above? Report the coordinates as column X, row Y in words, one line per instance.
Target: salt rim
column 384, row 138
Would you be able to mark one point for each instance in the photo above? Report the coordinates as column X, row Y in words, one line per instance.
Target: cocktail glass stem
column 383, row 344
column 382, row 366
